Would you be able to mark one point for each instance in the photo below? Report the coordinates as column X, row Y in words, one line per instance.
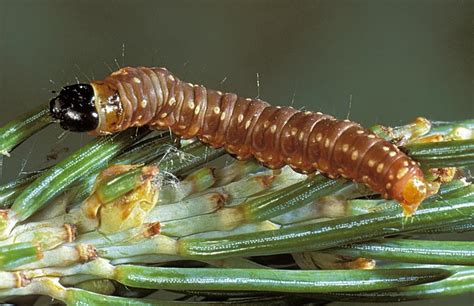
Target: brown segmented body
column 274, row 135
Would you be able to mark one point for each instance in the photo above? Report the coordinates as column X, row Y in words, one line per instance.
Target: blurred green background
column 395, row 60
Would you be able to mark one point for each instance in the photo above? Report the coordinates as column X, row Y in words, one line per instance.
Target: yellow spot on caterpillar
column 371, row 136
column 388, row 186
column 301, row 136
column 191, row 104
column 197, row 109
column 247, row 124
column 137, row 80
column 355, row 155
column 163, row 115
column 217, row 110
column 171, row 77
column 266, row 124
column 392, row 154
column 360, row 132
column 380, row 168
column 294, row 131
column 273, row 128
column 319, row 136
column 385, row 148
column 219, row 93
column 365, row 178
column 390, row 177
column 401, row 173
column 371, row 163
column 172, row 101
column 223, row 116
column 240, row 118
column 345, row 147
column 326, row 143
column 143, row 103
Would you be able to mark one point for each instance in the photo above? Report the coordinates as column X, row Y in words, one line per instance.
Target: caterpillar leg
column 414, row 191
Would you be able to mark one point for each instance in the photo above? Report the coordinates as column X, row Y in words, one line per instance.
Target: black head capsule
column 75, row 109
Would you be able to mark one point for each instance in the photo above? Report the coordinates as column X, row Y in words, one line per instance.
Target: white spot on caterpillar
column 380, row 167
column 248, row 99
column 240, row 118
column 405, row 163
column 326, row 143
column 217, row 110
column 196, row 110
column 223, row 116
column 319, row 113
column 137, row 80
column 319, row 136
column 401, row 173
column 266, row 124
column 392, row 154
column 371, row 136
column 307, row 113
column 171, row 77
column 371, row 163
column 273, row 128
column 345, row 147
column 355, row 155
column 172, row 101
column 219, row 93
column 385, row 148
column 163, row 115
column 143, row 103
column 360, row 132
column 294, row 131
column 191, row 104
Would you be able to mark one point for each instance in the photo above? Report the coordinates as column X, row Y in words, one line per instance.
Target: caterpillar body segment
column 274, row 135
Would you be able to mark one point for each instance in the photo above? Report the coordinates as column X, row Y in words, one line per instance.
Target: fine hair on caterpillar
column 276, row 136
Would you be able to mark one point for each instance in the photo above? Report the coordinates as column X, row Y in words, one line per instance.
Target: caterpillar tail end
column 414, row 192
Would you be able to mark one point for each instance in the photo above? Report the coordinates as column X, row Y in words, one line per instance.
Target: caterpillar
column 246, row 128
